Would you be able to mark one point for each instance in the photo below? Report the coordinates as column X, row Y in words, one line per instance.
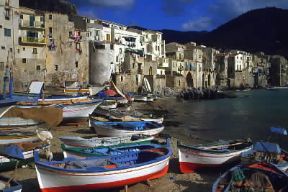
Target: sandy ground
column 172, row 182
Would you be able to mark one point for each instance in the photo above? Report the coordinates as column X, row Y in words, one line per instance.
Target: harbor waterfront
column 250, row 115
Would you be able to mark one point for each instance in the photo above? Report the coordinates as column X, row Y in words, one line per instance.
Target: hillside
column 257, row 30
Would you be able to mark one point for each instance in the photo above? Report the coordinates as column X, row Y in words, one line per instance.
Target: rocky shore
column 173, row 181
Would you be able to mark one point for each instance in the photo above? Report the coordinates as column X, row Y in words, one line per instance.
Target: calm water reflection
column 249, row 115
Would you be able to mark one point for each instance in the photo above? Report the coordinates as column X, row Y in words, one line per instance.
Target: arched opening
column 150, row 71
column 189, row 80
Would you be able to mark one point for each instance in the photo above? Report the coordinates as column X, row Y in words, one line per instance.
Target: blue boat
column 124, row 128
column 278, row 130
column 22, row 151
column 33, row 94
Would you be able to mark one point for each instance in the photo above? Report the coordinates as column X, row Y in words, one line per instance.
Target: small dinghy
column 9, row 185
column 103, row 141
column 95, row 173
column 78, row 152
column 116, row 129
column 253, row 177
column 108, row 104
column 192, row 158
column 269, row 153
column 115, row 115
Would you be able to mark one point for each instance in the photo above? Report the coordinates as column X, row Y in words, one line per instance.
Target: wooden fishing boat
column 78, row 152
column 192, row 158
column 115, row 115
column 108, row 104
column 9, row 137
column 17, row 121
column 122, row 128
column 79, row 110
column 108, row 172
column 9, row 185
column 267, row 152
column 253, row 177
column 103, row 141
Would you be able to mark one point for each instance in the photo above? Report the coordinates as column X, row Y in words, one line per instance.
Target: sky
column 181, row 15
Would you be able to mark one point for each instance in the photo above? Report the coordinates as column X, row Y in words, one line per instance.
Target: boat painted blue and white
column 95, row 173
column 122, row 128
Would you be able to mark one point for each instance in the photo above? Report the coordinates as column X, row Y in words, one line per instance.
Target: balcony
column 37, row 25
column 32, row 41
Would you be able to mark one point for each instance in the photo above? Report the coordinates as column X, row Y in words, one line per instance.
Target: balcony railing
column 28, row 24
column 32, row 40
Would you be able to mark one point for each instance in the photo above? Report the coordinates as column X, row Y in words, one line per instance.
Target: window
column 21, row 16
column 70, row 33
column 23, row 48
column 111, row 46
column 11, row 50
column 50, row 16
column 7, row 14
column 7, row 32
column 121, row 78
column 1, row 66
column 18, row 50
column 76, row 64
column 3, row 47
column 50, row 32
column 24, row 60
column 34, row 50
column 108, row 38
column 38, row 68
column 56, row 67
column 41, row 19
column 0, row 26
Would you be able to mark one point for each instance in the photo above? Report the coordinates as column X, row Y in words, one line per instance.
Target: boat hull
column 77, row 111
column 192, row 160
column 94, row 181
column 97, row 142
column 17, row 121
column 111, row 132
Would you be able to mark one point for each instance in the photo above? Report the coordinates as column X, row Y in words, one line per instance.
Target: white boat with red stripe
column 102, row 172
column 193, row 158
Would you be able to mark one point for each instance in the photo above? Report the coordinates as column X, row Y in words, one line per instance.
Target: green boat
column 80, row 152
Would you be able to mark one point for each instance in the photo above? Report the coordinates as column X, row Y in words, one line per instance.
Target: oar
column 5, row 111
